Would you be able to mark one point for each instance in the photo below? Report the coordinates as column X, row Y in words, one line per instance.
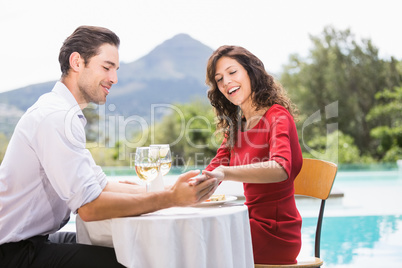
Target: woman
column 260, row 149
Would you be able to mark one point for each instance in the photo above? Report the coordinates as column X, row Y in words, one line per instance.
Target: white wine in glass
column 147, row 172
column 165, row 167
column 147, row 164
column 165, row 157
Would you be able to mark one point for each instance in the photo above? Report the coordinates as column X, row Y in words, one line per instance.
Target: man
column 47, row 172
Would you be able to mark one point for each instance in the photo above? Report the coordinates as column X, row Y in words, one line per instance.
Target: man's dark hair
column 85, row 40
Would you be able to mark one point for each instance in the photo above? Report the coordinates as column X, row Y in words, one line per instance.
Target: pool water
column 358, row 241
column 361, row 229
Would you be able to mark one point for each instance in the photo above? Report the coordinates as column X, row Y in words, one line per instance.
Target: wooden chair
column 314, row 180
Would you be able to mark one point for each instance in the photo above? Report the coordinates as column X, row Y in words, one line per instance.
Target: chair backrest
column 316, row 178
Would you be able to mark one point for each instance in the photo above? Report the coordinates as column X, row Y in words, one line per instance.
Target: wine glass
column 166, row 163
column 165, row 157
column 147, row 164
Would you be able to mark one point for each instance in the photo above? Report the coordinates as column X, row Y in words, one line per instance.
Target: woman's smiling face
column 233, row 81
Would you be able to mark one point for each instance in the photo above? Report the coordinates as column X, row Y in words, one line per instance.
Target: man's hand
column 189, row 191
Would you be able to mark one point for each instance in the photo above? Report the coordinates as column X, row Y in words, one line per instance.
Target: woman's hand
column 217, row 173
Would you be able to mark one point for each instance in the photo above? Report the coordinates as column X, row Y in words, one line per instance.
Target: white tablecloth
column 214, row 236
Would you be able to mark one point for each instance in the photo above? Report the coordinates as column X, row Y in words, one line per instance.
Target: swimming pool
column 363, row 228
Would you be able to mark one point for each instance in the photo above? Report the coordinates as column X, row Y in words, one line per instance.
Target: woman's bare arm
column 261, row 172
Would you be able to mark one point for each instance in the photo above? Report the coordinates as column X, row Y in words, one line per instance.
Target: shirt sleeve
column 222, row 157
column 70, row 168
column 279, row 137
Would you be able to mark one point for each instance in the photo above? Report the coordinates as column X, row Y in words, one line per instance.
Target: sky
column 32, row 32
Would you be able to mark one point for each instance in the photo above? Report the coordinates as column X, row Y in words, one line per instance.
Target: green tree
column 191, row 132
column 335, row 147
column 340, row 68
column 388, row 135
column 109, row 156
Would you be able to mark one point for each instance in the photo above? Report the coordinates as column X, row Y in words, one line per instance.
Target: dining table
column 212, row 234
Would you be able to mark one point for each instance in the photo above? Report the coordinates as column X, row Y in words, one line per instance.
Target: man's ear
column 76, row 61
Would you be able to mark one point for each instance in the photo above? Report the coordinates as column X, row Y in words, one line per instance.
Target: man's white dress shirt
column 47, row 172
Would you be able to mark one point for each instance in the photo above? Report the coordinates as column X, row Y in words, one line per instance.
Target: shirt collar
column 63, row 91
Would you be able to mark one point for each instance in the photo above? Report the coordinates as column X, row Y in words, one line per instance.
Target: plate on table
column 228, row 198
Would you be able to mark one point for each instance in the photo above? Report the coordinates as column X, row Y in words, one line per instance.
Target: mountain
column 173, row 72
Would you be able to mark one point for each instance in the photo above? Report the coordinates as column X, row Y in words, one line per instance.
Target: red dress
column 275, row 221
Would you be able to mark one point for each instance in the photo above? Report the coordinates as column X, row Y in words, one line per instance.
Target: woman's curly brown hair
column 265, row 91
